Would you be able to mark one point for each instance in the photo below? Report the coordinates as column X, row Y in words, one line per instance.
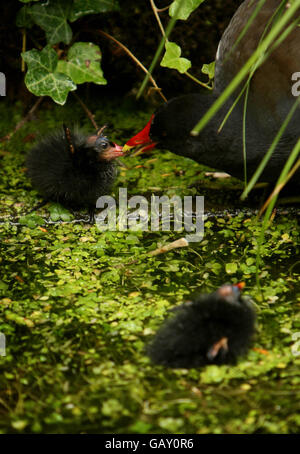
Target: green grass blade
column 267, row 156
column 255, row 58
column 160, row 48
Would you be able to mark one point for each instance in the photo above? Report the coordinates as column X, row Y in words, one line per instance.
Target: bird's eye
column 104, row 144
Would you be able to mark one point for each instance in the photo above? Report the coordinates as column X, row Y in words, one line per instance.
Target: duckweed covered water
column 77, row 306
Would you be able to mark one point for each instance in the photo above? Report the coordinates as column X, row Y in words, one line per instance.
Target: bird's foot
column 220, row 346
column 92, row 216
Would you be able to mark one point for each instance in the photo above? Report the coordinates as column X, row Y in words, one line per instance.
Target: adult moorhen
column 214, row 328
column 72, row 168
column 269, row 101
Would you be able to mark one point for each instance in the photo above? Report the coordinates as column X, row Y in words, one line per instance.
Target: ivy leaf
column 84, row 7
column 173, row 60
column 52, row 17
column 23, row 18
column 186, row 9
column 209, row 69
column 42, row 79
column 83, row 64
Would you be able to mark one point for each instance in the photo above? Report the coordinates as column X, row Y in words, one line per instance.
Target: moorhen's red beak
column 142, row 138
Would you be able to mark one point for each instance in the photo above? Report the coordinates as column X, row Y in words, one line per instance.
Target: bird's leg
column 222, row 344
column 92, row 215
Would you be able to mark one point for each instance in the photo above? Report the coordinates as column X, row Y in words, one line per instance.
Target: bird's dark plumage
column 269, row 102
column 215, row 328
column 72, row 168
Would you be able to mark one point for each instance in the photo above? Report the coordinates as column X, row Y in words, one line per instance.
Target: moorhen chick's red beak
column 108, row 150
column 112, row 152
column 142, row 138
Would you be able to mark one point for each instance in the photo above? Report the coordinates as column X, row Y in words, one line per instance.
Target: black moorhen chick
column 72, row 168
column 215, row 328
column 270, row 99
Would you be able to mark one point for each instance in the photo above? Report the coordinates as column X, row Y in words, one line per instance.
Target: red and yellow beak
column 112, row 152
column 142, row 139
column 240, row 285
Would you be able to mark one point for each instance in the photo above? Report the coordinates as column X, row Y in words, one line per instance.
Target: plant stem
column 155, row 11
column 24, row 120
column 87, row 111
column 136, row 61
column 203, row 84
column 159, row 50
column 279, row 187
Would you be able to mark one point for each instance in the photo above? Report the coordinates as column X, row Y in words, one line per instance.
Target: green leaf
column 42, row 79
column 83, row 64
column 231, row 268
column 3, row 286
column 84, row 7
column 186, row 9
column 31, row 220
column 23, row 18
column 172, row 58
column 58, row 212
column 209, row 69
column 20, row 424
column 52, row 17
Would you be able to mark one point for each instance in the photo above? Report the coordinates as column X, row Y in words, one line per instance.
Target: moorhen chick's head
column 214, row 328
column 269, row 101
column 72, row 168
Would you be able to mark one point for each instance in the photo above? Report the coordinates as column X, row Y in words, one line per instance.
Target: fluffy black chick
column 215, row 328
column 72, row 168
